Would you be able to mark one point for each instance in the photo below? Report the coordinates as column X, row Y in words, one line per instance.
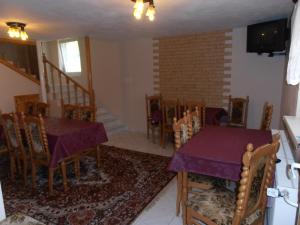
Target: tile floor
column 161, row 211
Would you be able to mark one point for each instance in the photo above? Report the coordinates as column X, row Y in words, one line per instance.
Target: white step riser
column 112, row 124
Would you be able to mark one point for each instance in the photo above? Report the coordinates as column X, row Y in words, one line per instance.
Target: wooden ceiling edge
column 16, row 41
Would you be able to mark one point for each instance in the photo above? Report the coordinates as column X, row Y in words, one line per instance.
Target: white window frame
column 61, row 60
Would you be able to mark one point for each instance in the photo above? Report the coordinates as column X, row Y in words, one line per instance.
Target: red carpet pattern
column 112, row 195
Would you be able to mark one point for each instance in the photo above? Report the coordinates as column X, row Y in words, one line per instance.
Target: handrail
column 69, row 81
column 65, row 75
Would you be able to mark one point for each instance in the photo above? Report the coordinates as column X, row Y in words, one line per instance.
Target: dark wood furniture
column 22, row 105
column 169, row 111
column 42, row 108
column 238, row 111
column 191, row 106
column 70, row 111
column 18, row 155
column 220, row 206
column 266, row 116
column 153, row 115
column 87, row 113
column 40, row 154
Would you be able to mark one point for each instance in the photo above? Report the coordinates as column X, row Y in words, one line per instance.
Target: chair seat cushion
column 204, row 179
column 218, row 205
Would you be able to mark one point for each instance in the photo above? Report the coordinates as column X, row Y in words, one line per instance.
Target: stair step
column 111, row 123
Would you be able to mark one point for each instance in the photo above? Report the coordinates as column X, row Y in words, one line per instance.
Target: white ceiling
column 52, row 19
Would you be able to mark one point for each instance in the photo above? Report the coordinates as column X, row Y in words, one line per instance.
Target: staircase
column 62, row 89
column 22, row 71
column 112, row 124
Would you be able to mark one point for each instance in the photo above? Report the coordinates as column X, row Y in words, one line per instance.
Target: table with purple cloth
column 218, row 151
column 68, row 137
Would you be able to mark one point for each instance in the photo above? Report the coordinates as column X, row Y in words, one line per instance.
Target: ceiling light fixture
column 138, row 9
column 17, row 30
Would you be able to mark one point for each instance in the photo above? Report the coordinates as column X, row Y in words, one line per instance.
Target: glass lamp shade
column 139, row 5
column 151, row 12
column 13, row 32
column 23, row 35
column 17, row 33
column 137, row 14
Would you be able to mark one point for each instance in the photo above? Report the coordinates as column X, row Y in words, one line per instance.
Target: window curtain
column 61, row 48
column 293, row 69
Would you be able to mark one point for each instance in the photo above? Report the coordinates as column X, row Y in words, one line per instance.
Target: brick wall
column 194, row 67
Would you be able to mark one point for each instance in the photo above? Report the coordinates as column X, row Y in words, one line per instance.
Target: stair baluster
column 79, row 90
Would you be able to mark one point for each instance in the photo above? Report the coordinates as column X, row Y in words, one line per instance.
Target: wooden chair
column 220, row 206
column 30, row 108
column 182, row 133
column 20, row 101
column 87, row 113
column 169, row 111
column 191, row 106
column 194, row 121
column 39, row 151
column 18, row 155
column 266, row 116
column 238, row 111
column 70, row 111
column 154, row 115
column 42, row 108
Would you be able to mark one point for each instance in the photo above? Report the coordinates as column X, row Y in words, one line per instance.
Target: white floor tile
column 161, row 211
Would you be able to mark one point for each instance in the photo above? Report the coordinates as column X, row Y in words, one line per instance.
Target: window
column 70, row 56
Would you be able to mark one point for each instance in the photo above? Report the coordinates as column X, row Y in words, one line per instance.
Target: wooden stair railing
column 20, row 71
column 56, row 77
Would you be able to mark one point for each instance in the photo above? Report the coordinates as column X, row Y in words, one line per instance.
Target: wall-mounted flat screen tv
column 267, row 37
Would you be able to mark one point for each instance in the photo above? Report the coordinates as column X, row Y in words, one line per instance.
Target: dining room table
column 217, row 151
column 69, row 137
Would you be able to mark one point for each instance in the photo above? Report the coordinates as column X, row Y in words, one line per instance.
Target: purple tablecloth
column 67, row 137
column 217, row 151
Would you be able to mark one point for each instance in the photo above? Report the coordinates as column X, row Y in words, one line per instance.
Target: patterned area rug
column 113, row 195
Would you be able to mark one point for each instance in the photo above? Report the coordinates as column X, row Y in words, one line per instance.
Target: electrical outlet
column 272, row 192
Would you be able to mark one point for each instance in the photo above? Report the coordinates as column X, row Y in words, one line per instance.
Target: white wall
column 50, row 48
column 137, row 75
column 2, row 210
column 122, row 75
column 260, row 77
column 11, row 84
column 106, row 71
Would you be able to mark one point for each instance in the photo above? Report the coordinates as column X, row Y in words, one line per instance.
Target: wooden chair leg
column 153, row 133
column 25, row 168
column 98, row 154
column 184, row 197
column 148, row 129
column 161, row 135
column 17, row 157
column 50, row 180
column 77, row 168
column 64, row 174
column 163, row 139
column 33, row 175
column 12, row 168
column 179, row 192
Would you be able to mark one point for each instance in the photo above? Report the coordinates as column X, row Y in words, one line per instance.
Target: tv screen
column 267, row 37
